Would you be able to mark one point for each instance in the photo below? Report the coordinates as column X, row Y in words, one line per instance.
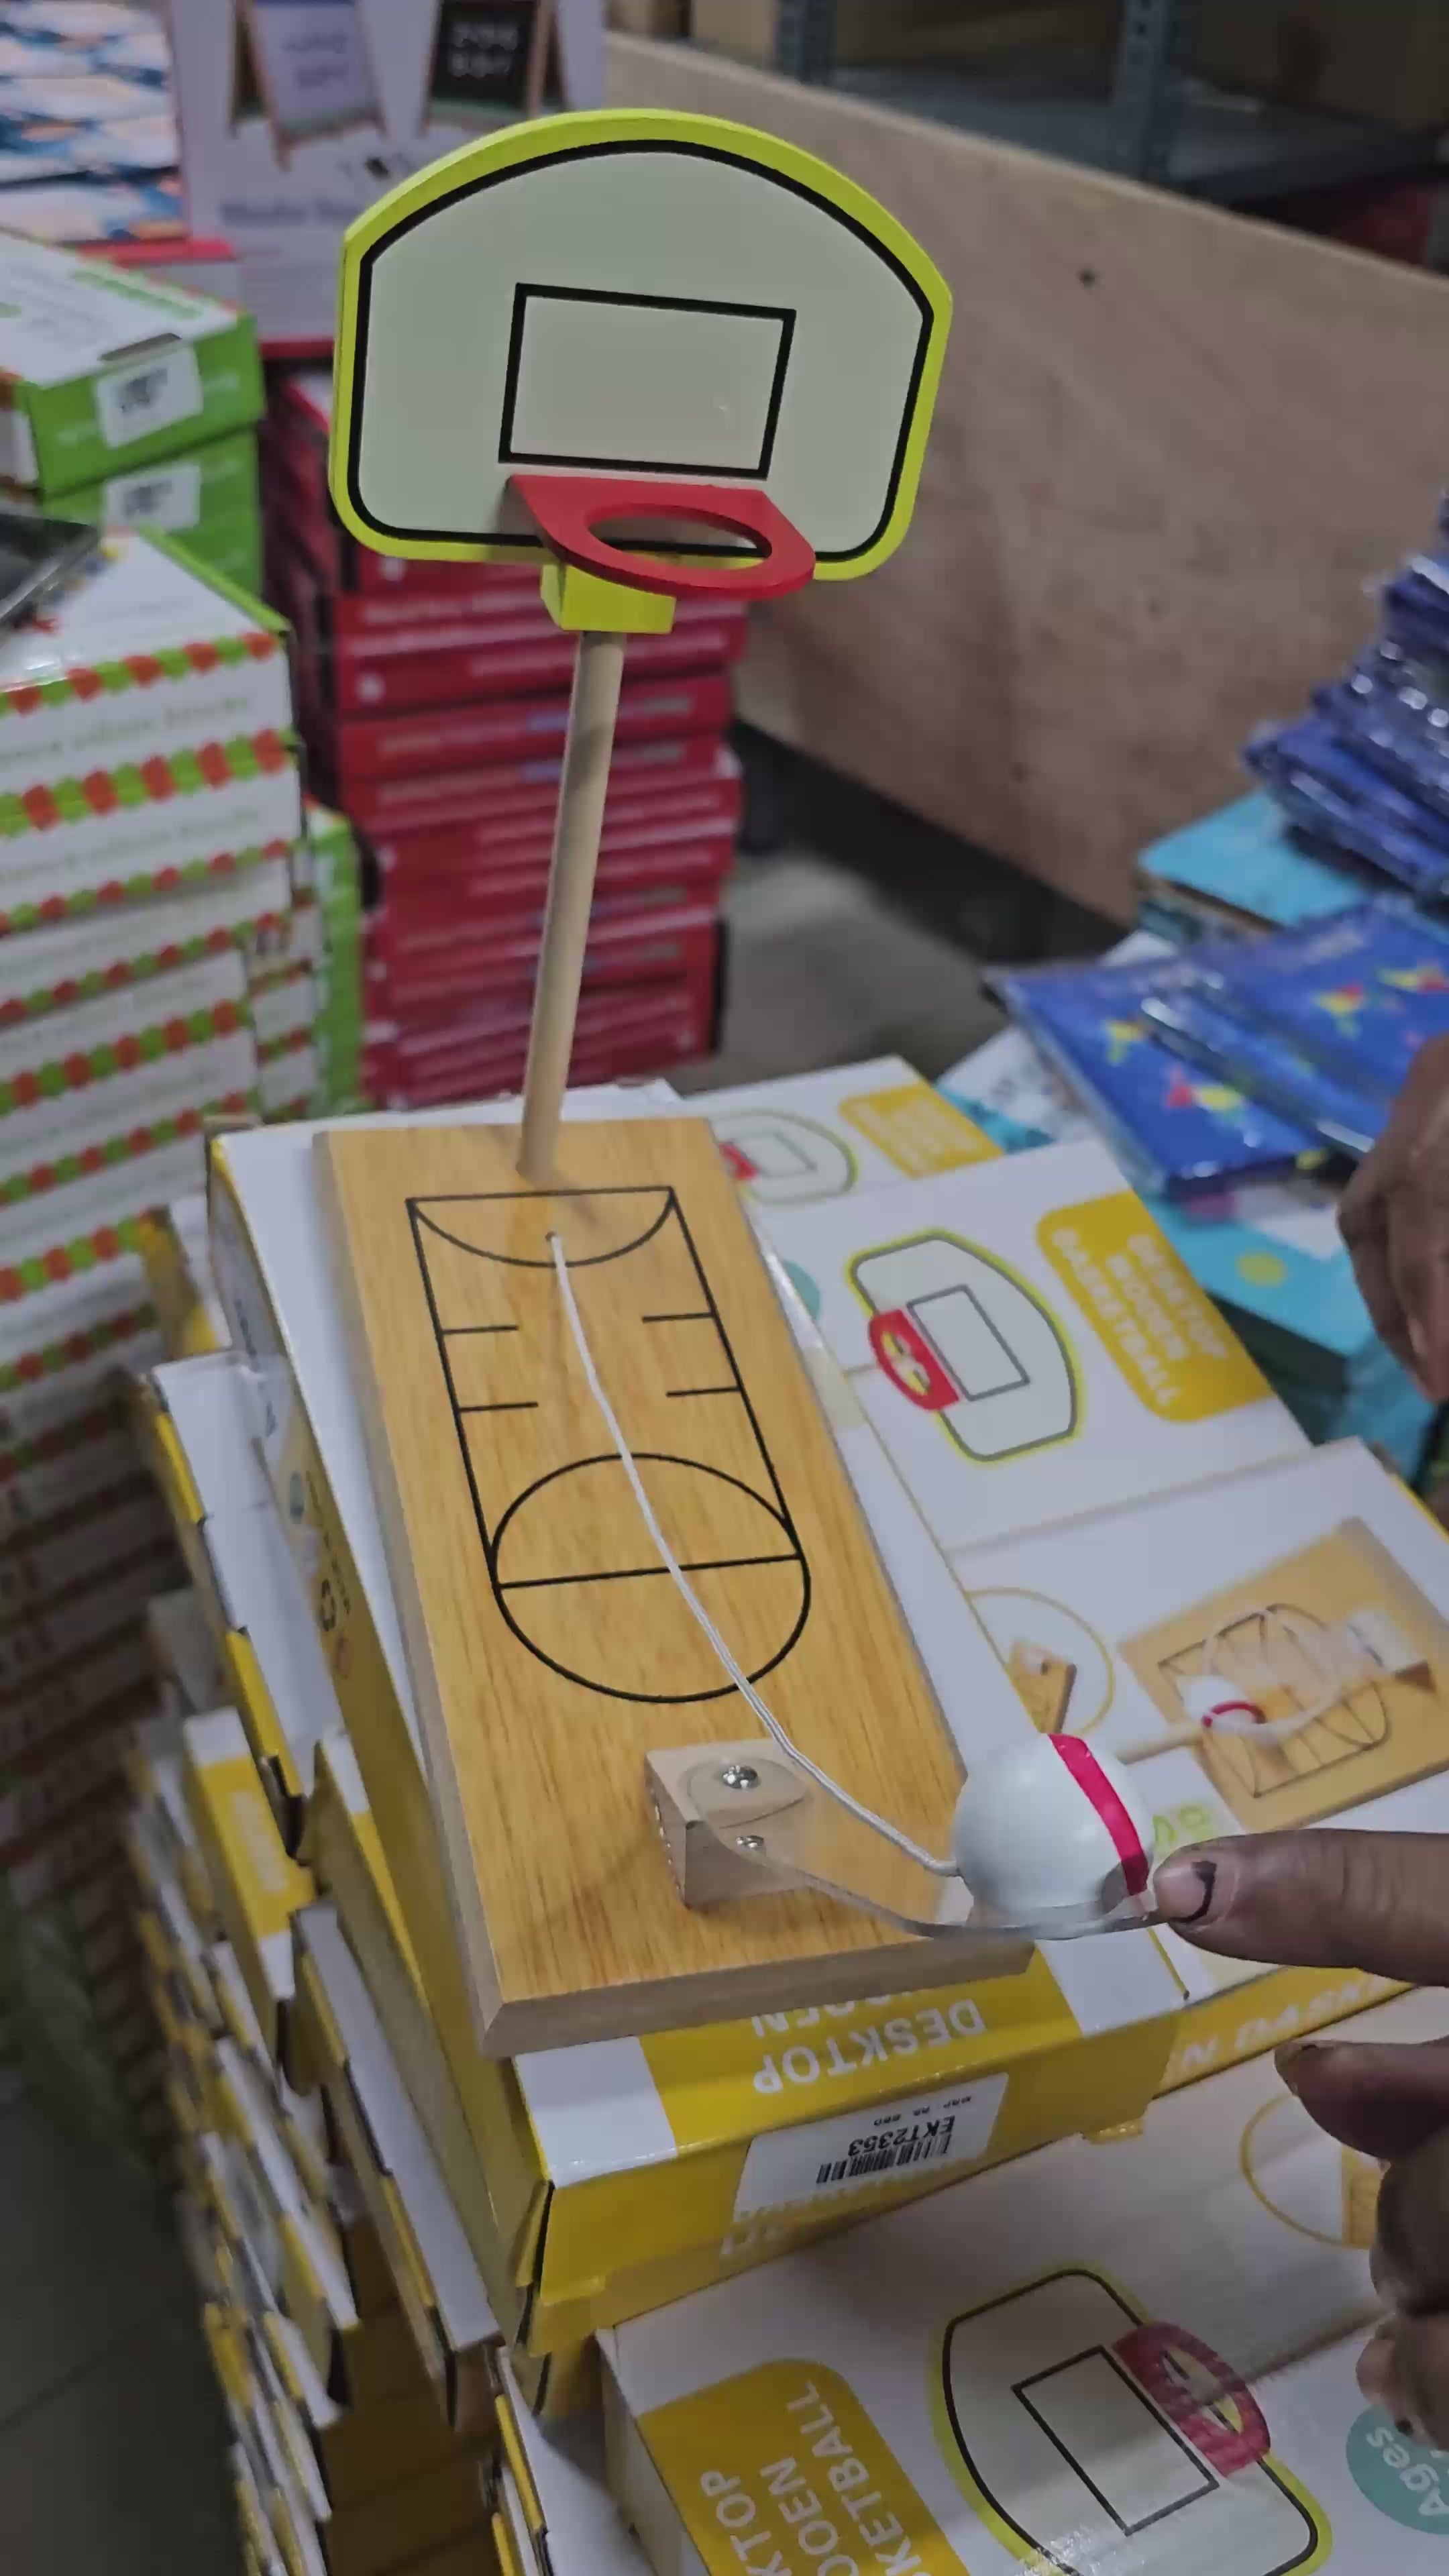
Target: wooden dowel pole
column 593, row 711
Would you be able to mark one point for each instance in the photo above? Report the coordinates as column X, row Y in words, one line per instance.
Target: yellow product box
column 595, row 2182
column 1100, row 2357
column 438, row 2282
column 183, row 1954
column 174, row 1253
column 184, row 1653
column 636, row 2183
column 553, row 2512
column 201, row 1420
column 258, row 1886
column 300, row 2116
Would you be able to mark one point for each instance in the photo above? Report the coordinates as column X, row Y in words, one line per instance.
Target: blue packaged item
column 1266, row 1065
column 1360, row 994
column 1172, row 1127
column 1414, row 609
column 1388, row 709
column 1246, row 858
column 1331, row 792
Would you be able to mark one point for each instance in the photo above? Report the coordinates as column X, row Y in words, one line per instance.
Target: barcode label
column 168, row 497
column 147, row 394
column 874, row 2145
column 916, row 2149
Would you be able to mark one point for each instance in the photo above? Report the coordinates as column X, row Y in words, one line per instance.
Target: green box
column 103, row 370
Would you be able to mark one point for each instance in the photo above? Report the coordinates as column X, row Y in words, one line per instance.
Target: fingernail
column 1184, row 1888
column 1289, row 2059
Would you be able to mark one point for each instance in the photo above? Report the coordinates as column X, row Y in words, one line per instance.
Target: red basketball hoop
column 567, row 509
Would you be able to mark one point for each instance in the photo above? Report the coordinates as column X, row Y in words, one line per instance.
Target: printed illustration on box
column 305, row 66
column 1321, row 2190
column 1314, row 1684
column 1083, row 2433
column 776, row 1156
column 959, row 1335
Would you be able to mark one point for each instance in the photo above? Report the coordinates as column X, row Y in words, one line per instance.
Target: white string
column 687, row 1594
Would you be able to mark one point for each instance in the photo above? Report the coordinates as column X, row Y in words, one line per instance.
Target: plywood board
column 548, row 1648
column 1172, row 450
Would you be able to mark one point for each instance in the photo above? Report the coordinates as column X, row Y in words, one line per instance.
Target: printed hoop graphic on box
column 674, row 302
column 1321, row 2190
column 960, row 1335
column 558, row 1526
column 1086, row 2437
column 784, row 1160
column 304, row 65
column 1336, row 1663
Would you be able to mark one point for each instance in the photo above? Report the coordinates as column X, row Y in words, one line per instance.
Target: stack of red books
column 434, row 702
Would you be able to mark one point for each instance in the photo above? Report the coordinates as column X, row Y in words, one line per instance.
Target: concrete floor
column 110, row 2430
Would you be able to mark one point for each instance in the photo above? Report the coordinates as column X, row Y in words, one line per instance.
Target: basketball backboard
column 636, row 295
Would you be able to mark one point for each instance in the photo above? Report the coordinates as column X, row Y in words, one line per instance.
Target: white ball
column 1052, row 1827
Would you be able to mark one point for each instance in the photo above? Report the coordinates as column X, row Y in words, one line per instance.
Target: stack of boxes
column 357, row 2181
column 131, row 402
column 435, row 707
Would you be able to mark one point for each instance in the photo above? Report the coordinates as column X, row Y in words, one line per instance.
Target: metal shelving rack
column 1156, row 123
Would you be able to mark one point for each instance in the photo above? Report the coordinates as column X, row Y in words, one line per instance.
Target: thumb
column 1383, row 2101
column 1315, row 1899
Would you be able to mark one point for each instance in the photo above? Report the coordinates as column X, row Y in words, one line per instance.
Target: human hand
column 1394, row 1218
column 1378, row 1902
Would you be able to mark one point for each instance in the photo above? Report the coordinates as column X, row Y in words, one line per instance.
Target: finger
column 1369, row 1248
column 1411, row 2243
column 1420, row 2377
column 1379, row 1902
column 1418, row 1265
column 1383, row 2101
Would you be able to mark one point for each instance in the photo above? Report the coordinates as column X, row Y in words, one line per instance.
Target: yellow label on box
column 271, row 1886
column 739, row 2079
column 1167, row 1338
column 918, row 1130
column 784, row 2465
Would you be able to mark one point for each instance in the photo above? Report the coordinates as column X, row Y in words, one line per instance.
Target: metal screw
column 749, row 1842
column 739, row 1775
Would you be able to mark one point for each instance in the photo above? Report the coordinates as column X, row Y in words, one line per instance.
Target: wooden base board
column 549, row 1651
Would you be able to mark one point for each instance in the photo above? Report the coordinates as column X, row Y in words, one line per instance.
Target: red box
column 362, row 750
column 429, row 962
column 677, row 868
column 621, row 1029
column 645, row 778
column 469, row 853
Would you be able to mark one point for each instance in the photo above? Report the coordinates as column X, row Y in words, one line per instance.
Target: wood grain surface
column 548, row 1649
column 1172, row 450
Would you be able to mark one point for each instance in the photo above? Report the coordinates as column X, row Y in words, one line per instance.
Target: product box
column 184, row 1654
column 50, row 1563
column 201, row 1418
column 258, row 1888
column 823, row 1135
column 1243, row 869
column 362, row 753
column 177, row 1262
column 1027, row 1344
column 74, row 1084
column 62, row 1469
column 188, row 495
column 553, row 2513
column 292, row 122
column 438, row 2283
column 145, row 737
column 62, row 1345
column 621, row 1029
column 88, row 955
column 525, row 789
column 1137, row 2355
column 415, row 971
column 104, row 1683
column 102, row 370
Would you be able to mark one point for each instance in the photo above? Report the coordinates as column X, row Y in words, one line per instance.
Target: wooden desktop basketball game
column 660, row 356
